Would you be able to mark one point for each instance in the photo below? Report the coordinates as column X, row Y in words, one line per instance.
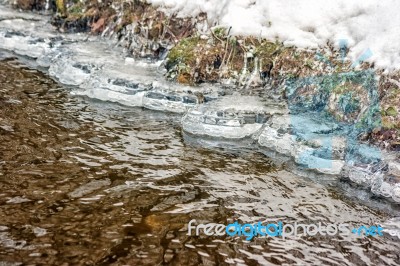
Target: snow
column 367, row 24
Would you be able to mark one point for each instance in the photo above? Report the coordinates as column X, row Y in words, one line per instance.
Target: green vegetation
column 340, row 89
column 267, row 49
column 220, row 32
column 61, row 7
column 184, row 51
column 391, row 111
column 76, row 9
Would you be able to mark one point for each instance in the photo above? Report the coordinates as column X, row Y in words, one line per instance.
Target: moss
column 76, row 9
column 387, row 123
column 393, row 93
column 309, row 64
column 267, row 49
column 391, row 111
column 184, row 51
column 340, row 89
column 290, row 76
column 232, row 40
column 182, row 59
column 220, row 32
column 61, row 7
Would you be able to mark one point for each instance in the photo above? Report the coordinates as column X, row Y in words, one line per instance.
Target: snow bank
column 372, row 24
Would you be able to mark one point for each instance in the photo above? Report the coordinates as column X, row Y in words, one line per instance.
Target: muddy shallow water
column 85, row 182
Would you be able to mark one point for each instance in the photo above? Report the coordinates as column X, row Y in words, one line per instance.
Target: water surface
column 85, row 182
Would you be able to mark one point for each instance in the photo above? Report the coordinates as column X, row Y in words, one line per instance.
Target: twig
column 212, row 33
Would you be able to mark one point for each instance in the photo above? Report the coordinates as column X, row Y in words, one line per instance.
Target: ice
column 95, row 67
column 396, row 193
column 282, row 143
column 116, row 86
column 69, row 72
column 392, row 227
column 374, row 177
column 23, row 45
column 394, row 168
column 169, row 101
column 381, row 186
column 360, row 176
column 231, row 117
column 231, row 130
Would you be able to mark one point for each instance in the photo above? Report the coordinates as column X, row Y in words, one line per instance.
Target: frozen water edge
column 392, row 227
column 231, row 117
column 97, row 69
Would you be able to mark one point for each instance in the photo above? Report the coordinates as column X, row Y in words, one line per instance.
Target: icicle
column 254, row 74
column 244, row 69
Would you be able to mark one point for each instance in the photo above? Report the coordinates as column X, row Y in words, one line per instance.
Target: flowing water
column 87, row 182
column 90, row 182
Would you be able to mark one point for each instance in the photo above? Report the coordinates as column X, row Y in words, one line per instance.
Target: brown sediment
column 40, row 137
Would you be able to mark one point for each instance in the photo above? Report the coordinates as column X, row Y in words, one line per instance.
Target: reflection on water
column 93, row 183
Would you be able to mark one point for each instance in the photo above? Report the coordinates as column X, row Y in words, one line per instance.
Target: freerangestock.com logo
column 281, row 229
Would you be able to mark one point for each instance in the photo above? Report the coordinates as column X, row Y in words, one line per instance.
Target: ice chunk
column 230, row 117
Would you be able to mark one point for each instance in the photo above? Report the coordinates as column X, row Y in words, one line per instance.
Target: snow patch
column 365, row 24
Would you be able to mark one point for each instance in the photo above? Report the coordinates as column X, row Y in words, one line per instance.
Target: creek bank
column 198, row 52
